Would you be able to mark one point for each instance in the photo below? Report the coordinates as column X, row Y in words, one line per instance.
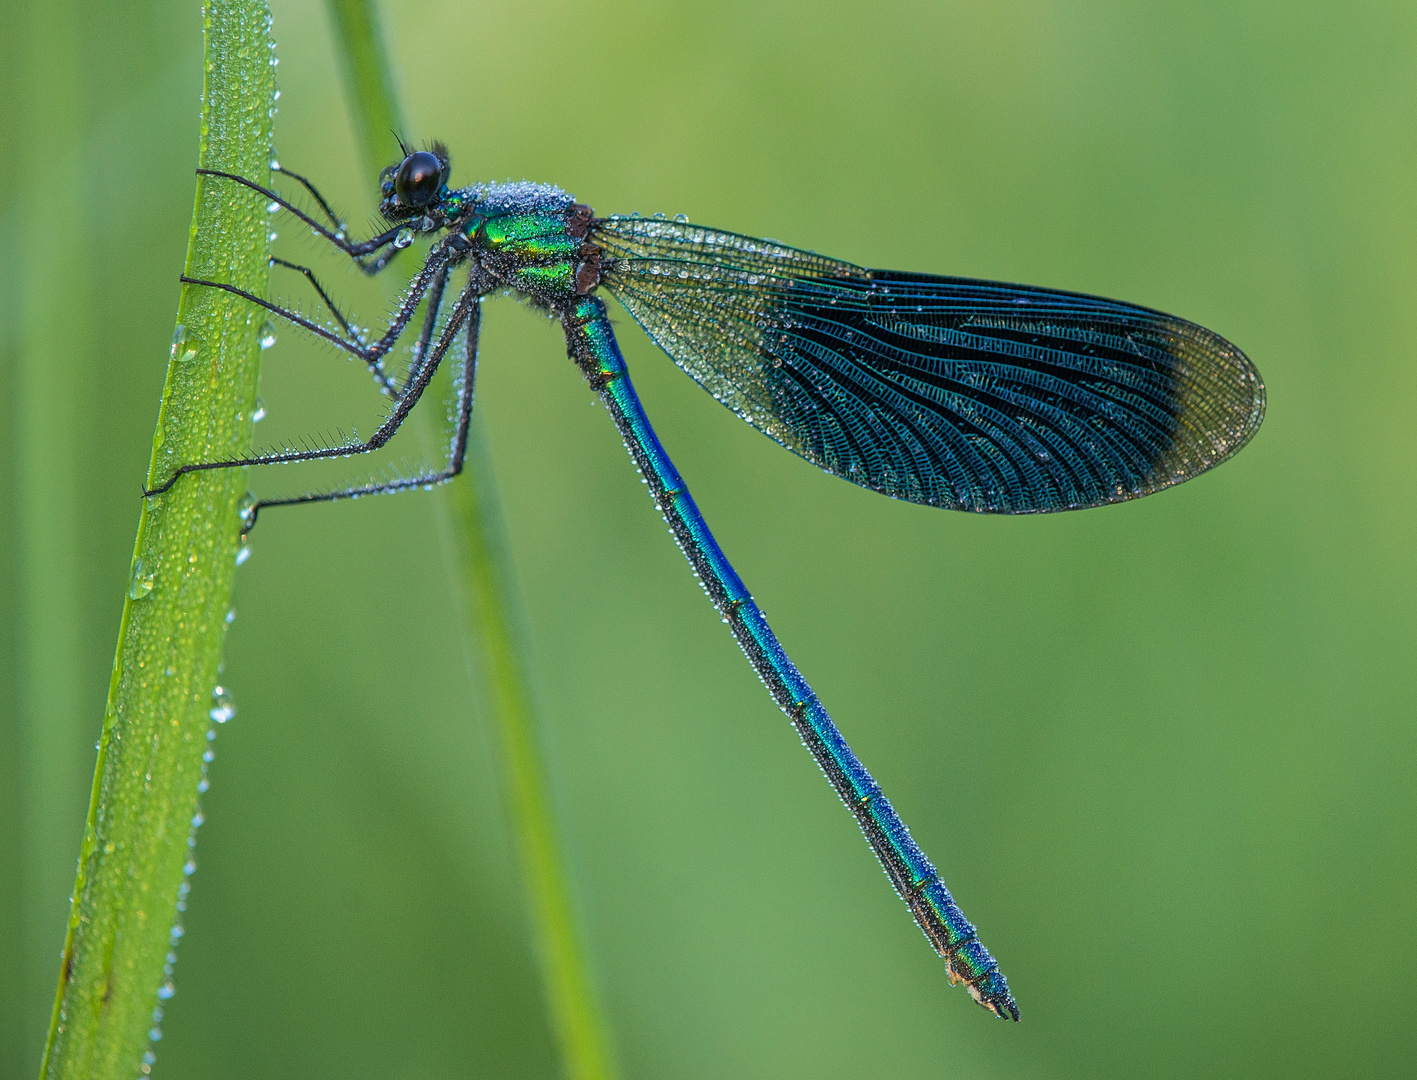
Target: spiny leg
column 330, row 305
column 386, row 384
column 455, row 458
column 373, row 355
column 376, row 367
column 335, row 219
column 340, row 226
column 402, row 407
column 357, row 252
column 425, row 336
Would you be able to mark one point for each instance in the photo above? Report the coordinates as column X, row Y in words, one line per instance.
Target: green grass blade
column 145, row 794
column 483, row 567
column 368, row 80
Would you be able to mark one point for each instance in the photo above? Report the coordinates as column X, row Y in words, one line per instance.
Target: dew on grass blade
column 184, row 345
column 140, row 582
column 222, row 710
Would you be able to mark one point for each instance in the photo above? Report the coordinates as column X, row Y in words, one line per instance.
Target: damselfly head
column 414, row 186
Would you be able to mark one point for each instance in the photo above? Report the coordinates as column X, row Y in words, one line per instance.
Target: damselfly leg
column 381, row 377
column 385, row 243
column 458, row 444
column 429, row 284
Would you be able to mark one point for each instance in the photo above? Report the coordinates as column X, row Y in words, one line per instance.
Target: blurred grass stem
column 52, row 332
column 484, row 569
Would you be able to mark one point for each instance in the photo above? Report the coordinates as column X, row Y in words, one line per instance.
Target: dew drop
column 242, row 554
column 404, row 238
column 247, row 509
column 273, row 208
column 165, row 991
column 184, row 346
column 275, row 161
column 222, row 711
column 260, row 413
column 140, row 584
column 268, row 331
column 230, row 616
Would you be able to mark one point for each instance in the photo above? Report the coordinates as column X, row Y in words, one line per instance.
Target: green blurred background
column 1163, row 753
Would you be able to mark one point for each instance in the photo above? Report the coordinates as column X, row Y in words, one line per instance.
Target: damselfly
column 970, row 395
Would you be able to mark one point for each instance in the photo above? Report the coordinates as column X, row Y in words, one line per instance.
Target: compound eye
column 418, row 179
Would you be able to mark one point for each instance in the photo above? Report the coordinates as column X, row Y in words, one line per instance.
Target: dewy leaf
column 136, row 854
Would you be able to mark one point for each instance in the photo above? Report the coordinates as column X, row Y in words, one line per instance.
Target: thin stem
column 483, row 567
column 369, row 81
column 136, row 848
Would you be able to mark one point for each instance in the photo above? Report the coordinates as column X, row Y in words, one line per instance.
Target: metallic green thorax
column 526, row 238
column 532, row 253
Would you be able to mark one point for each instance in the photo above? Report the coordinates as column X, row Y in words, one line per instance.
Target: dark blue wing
column 971, row 395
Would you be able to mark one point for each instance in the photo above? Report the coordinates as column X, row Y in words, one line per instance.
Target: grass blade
column 484, row 569
column 488, row 584
column 368, row 80
column 145, row 794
